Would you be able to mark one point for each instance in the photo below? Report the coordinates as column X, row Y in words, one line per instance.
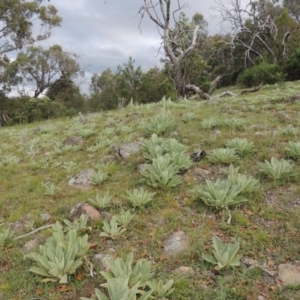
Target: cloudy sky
column 106, row 33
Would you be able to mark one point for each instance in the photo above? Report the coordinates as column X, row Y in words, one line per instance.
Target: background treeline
column 262, row 48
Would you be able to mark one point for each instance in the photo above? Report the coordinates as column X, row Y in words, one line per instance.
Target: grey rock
column 99, row 260
column 83, row 180
column 260, row 297
column 45, row 217
column 202, row 172
column 184, row 271
column 289, row 274
column 16, row 226
column 197, row 155
column 142, row 167
column 124, row 151
column 32, row 244
column 73, row 141
column 107, row 159
column 84, row 209
column 175, row 243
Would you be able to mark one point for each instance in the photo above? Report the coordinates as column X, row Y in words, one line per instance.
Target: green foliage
column 292, row 66
column 100, row 201
column 139, row 273
column 112, row 230
column 247, row 184
column 161, row 290
column 241, row 146
column 5, row 236
column 99, row 177
column 277, row 169
column 294, row 149
column 160, row 124
column 161, row 173
column 60, row 256
column 220, row 194
column 263, row 73
column 50, row 188
column 139, row 197
column 124, row 218
column 225, row 255
column 222, row 156
column 117, row 289
column 188, row 117
column 156, row 147
column 80, row 224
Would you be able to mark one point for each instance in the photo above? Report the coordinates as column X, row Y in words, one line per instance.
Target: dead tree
column 252, row 90
column 160, row 13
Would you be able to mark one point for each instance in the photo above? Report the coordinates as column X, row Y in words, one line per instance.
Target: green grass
column 267, row 226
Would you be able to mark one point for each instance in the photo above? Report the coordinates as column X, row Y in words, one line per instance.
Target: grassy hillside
column 35, row 169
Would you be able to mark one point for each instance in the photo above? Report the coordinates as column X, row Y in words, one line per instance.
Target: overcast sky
column 105, row 33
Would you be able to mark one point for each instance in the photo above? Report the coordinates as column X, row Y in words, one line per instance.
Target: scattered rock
column 260, row 297
column 84, row 209
column 32, row 244
column 124, row 151
column 73, row 141
column 99, row 260
column 45, row 217
column 197, row 155
column 176, row 243
column 202, row 172
column 282, row 116
column 184, row 271
column 216, row 132
column 258, row 134
column 141, row 167
column 16, row 226
column 289, row 274
column 107, row 159
column 82, row 180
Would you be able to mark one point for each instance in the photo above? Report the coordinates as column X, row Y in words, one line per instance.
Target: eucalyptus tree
column 40, row 68
column 19, row 18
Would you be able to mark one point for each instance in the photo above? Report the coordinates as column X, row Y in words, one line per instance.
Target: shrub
column 263, row 73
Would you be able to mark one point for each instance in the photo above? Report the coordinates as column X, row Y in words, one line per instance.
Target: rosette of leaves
column 139, row 197
column 225, row 255
column 222, row 156
column 153, row 147
column 294, row 150
column 161, row 173
column 61, row 255
column 119, row 268
column 219, row 194
column 5, row 236
column 124, row 218
column 98, row 177
column 80, row 224
column 277, row 169
column 248, row 184
column 100, row 201
column 117, row 289
column 161, row 290
column 112, row 229
column 160, row 124
column 241, row 146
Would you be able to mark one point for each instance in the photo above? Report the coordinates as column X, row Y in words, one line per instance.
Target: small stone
column 99, row 259
column 32, row 244
column 16, row 226
column 82, row 180
column 124, row 151
column 184, row 271
column 289, row 274
column 260, row 297
column 258, row 134
column 176, row 243
column 73, row 141
column 216, row 132
column 141, row 167
column 45, row 217
column 84, row 209
column 107, row 159
column 202, row 172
